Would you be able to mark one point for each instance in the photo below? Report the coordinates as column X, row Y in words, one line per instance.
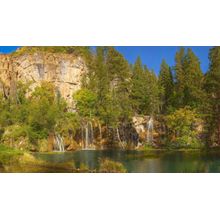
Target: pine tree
column 99, row 84
column 145, row 90
column 212, row 86
column 166, row 85
column 188, row 80
column 152, row 92
column 179, row 76
column 138, row 87
column 193, row 92
column 119, row 74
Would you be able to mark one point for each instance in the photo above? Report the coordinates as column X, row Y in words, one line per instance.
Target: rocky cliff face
column 65, row 71
column 147, row 133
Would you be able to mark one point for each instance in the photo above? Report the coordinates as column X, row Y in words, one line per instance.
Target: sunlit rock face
column 5, row 74
column 141, row 125
column 65, row 71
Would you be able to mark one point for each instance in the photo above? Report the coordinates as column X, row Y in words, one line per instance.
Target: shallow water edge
column 133, row 161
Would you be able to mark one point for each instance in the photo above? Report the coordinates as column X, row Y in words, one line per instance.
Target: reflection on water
column 143, row 162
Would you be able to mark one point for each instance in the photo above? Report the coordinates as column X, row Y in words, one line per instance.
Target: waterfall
column 82, row 133
column 100, row 131
column 150, row 128
column 91, row 134
column 59, row 145
column 100, row 134
column 119, row 139
column 87, row 136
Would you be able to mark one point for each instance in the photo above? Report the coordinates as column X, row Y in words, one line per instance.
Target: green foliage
column 99, row 83
column 113, row 91
column 5, row 112
column 189, row 79
column 15, row 131
column 67, row 124
column 83, row 168
column 8, row 155
column 76, row 50
column 85, row 102
column 145, row 90
column 109, row 83
column 212, row 107
column 182, row 126
column 179, row 75
column 109, row 166
column 166, row 86
column 45, row 107
column 138, row 86
column 152, row 92
column 119, row 74
column 32, row 117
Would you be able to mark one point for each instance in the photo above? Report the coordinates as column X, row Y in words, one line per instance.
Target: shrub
column 85, row 102
column 109, row 166
column 83, row 168
column 8, row 155
column 183, row 128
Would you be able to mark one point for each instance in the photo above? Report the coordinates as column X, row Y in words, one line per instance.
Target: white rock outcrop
column 65, row 71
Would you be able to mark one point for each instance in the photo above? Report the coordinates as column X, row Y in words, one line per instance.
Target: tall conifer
column 212, row 87
column 166, row 86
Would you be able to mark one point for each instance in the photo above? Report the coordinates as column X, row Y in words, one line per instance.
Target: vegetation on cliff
column 29, row 120
column 78, row 51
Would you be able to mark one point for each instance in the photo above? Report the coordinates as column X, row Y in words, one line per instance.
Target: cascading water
column 59, row 145
column 82, row 133
column 100, row 134
column 119, row 138
column 87, row 136
column 100, row 131
column 91, row 137
column 150, row 128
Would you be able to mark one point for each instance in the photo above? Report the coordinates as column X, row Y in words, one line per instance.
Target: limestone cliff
column 65, row 71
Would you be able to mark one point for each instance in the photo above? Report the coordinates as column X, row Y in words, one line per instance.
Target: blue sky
column 7, row 49
column 150, row 55
column 153, row 55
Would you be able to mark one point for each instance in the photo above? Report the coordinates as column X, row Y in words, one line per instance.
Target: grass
column 8, row 155
column 15, row 160
column 169, row 148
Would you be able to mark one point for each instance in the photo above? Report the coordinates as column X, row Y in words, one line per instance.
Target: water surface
column 142, row 162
